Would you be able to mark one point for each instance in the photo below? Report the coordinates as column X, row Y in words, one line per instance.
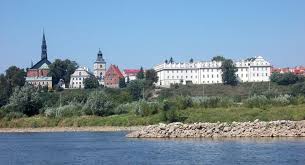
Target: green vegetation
column 139, row 102
column 62, row 69
column 91, row 82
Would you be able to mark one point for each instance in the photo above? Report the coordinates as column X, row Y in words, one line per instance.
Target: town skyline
column 133, row 34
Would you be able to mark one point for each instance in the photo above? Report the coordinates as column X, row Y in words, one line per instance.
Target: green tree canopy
column 229, row 72
column 140, row 74
column 218, row 58
column 286, row 78
column 91, row 82
column 135, row 89
column 122, row 83
column 151, row 77
column 4, row 90
column 15, row 76
column 62, row 69
column 25, row 100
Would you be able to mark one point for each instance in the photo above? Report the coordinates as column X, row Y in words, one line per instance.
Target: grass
column 190, row 115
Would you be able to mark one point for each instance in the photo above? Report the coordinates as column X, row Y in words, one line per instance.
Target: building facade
column 255, row 70
column 113, row 76
column 99, row 68
column 78, row 77
column 37, row 75
column 130, row 74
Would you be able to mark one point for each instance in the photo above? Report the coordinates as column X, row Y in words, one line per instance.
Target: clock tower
column 99, row 67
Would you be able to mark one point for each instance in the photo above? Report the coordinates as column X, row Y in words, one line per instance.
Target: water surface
column 113, row 148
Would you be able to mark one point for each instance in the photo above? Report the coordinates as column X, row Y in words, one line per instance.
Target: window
column 203, row 76
column 101, row 66
column 79, row 73
column 80, row 78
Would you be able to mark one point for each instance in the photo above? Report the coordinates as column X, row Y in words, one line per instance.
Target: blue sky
column 138, row 33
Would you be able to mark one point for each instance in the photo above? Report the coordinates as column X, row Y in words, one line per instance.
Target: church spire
column 44, row 54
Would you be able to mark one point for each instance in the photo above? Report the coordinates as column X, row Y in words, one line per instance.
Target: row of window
column 207, row 76
column 77, row 83
column 217, row 76
column 195, row 71
column 39, row 83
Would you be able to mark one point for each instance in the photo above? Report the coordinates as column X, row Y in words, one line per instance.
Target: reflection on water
column 114, row 148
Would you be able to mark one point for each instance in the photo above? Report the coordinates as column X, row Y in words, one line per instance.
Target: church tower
column 99, row 67
column 44, row 54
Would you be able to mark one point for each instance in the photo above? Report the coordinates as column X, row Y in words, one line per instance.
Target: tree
column 135, row 89
column 4, row 90
column 62, row 69
column 218, row 58
column 140, row 74
column 250, row 59
column 285, row 78
column 122, row 83
column 151, row 76
column 15, row 76
column 166, row 61
column 228, row 72
column 25, row 100
column 171, row 60
column 91, row 82
column 191, row 60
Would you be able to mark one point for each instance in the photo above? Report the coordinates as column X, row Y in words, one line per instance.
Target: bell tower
column 99, row 67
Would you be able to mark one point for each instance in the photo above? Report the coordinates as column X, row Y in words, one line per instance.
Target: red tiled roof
column 131, row 71
column 117, row 70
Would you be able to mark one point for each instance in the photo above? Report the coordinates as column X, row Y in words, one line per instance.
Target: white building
column 130, row 74
column 78, row 77
column 99, row 68
column 255, row 70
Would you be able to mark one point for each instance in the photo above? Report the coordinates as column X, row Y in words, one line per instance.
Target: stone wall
column 282, row 128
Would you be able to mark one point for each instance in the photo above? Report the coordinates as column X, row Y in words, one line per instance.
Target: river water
column 113, row 148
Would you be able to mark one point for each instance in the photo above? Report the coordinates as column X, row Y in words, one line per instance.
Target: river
column 114, row 148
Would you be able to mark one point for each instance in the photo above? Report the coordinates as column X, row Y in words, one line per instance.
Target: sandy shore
column 71, row 129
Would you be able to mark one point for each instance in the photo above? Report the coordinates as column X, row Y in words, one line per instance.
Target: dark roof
column 100, row 57
column 40, row 63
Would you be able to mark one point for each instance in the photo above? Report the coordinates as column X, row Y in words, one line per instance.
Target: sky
column 135, row 33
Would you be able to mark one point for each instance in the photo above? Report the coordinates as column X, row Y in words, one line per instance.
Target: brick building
column 38, row 73
column 113, row 76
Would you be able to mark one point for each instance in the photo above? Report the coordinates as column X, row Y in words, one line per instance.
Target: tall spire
column 44, row 54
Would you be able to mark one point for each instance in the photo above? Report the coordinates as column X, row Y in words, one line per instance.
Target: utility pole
column 202, row 90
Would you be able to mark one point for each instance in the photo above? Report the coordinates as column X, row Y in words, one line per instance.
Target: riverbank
column 280, row 128
column 70, row 129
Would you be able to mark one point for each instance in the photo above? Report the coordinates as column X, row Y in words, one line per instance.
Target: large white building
column 255, row 70
column 78, row 77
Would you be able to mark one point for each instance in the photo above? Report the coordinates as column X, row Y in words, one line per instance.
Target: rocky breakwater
column 281, row 128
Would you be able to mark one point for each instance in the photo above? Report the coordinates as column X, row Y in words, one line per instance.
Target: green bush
column 25, row 100
column 184, row 102
column 72, row 109
column 257, row 101
column 282, row 100
column 99, row 104
column 144, row 108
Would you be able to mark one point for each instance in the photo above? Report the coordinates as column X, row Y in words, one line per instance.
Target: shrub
column 282, row 100
column 99, row 104
column 184, row 102
column 300, row 99
column 144, row 108
column 124, row 108
column 207, row 102
column 25, row 100
column 258, row 101
column 72, row 109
